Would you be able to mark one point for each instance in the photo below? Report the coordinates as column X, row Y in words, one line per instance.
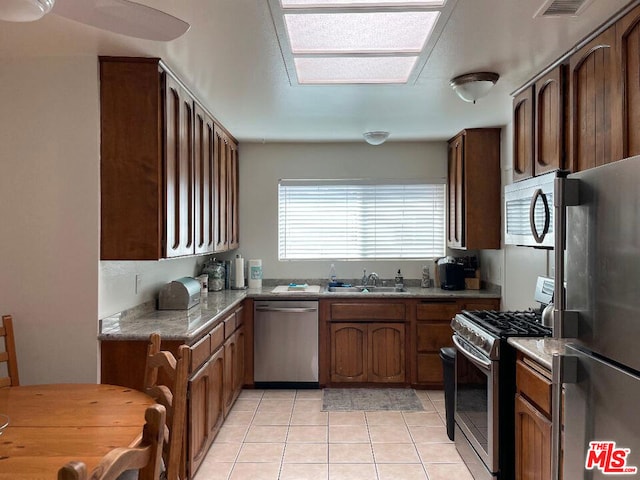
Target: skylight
column 357, row 41
column 376, row 32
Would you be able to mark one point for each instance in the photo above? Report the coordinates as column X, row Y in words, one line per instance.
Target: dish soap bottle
column 399, row 280
column 332, row 275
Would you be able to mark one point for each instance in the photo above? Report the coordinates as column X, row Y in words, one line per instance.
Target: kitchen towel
column 238, row 264
column 255, row 273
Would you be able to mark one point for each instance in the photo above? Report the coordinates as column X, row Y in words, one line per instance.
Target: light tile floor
column 285, row 435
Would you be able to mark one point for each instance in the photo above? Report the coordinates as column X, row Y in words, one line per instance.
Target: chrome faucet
column 371, row 278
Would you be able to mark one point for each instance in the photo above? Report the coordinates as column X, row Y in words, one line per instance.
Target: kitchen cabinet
column 523, row 134
column 628, row 61
column 532, row 420
column 216, row 377
column 158, row 171
column 367, row 342
column 539, row 124
column 595, row 103
column 226, row 201
column 474, row 182
column 205, row 187
column 433, row 332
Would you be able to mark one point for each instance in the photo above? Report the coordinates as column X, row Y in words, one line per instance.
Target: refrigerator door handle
column 564, row 370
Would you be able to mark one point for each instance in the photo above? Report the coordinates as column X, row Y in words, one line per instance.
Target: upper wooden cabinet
column 473, row 209
column 549, row 121
column 538, row 122
column 628, row 43
column 595, row 103
column 161, row 168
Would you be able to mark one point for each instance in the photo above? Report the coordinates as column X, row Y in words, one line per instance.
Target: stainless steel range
column 485, row 387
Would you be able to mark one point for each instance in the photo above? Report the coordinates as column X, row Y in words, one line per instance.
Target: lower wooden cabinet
column 206, row 401
column 368, row 352
column 216, row 377
column 533, row 442
column 532, row 420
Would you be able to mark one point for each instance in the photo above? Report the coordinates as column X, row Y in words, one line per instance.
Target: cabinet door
column 455, row 190
column 205, row 409
column 628, row 38
column 549, row 121
column 594, row 103
column 178, row 169
column 432, row 336
column 533, row 442
column 230, row 357
column 523, row 134
column 348, row 352
column 232, row 194
column 204, row 181
column 220, row 179
column 386, row 353
column 238, row 378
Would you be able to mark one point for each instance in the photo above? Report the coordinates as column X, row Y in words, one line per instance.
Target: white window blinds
column 353, row 219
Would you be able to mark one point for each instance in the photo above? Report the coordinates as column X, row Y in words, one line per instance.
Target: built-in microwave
column 528, row 211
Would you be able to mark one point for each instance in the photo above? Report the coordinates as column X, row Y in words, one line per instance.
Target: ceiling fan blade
column 124, row 17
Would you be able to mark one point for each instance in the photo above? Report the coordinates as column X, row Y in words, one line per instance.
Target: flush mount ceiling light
column 24, row 10
column 375, row 138
column 472, row 86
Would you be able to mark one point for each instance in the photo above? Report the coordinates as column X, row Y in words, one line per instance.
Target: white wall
column 49, row 214
column 516, row 269
column 118, row 281
column 262, row 165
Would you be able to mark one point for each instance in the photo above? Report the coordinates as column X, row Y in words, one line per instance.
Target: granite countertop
column 189, row 325
column 540, row 349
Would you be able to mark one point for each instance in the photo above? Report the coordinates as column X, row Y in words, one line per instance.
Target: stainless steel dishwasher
column 286, row 344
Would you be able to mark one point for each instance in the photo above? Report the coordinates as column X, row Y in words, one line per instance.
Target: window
column 355, row 219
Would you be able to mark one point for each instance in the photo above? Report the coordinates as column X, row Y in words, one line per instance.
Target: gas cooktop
column 509, row 324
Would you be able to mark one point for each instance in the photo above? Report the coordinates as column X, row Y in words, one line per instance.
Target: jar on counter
column 216, row 272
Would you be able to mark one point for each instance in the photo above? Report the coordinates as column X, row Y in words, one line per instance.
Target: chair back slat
column 9, row 356
column 174, row 370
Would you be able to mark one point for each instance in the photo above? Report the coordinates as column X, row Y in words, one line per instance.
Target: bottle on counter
column 399, row 280
column 333, row 278
column 426, row 277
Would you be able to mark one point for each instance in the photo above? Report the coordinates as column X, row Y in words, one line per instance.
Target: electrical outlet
column 138, row 283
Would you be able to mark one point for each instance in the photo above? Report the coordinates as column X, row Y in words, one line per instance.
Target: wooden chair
column 9, row 357
column 166, row 381
column 147, row 457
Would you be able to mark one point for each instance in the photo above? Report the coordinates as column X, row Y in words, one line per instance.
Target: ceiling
column 231, row 59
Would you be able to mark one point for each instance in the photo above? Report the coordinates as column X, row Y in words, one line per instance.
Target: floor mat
column 346, row 399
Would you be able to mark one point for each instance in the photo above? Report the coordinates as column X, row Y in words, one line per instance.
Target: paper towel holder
column 238, row 266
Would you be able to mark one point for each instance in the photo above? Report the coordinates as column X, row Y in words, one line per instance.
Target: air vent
column 562, row 8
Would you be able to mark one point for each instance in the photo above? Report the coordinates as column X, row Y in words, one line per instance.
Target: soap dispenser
column 399, row 280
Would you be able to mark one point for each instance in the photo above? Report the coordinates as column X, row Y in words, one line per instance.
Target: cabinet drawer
column 229, row 325
column 367, row 311
column 200, row 352
column 432, row 336
column 535, row 386
column 239, row 317
column 217, row 336
column 437, row 311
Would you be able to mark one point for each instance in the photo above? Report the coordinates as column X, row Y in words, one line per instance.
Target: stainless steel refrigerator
column 598, row 215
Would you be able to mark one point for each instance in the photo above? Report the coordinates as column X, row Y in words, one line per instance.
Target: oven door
column 477, row 406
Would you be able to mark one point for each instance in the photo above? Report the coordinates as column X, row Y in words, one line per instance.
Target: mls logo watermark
column 608, row 459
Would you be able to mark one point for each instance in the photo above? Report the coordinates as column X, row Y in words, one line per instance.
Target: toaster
column 181, row 294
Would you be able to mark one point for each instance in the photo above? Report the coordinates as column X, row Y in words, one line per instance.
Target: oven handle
column 478, row 361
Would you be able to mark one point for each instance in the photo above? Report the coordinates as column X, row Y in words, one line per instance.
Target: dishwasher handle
column 287, row 309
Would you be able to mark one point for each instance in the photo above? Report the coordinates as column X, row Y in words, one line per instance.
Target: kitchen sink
column 369, row 289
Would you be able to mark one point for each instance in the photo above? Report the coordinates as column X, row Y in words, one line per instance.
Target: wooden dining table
column 49, row 425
